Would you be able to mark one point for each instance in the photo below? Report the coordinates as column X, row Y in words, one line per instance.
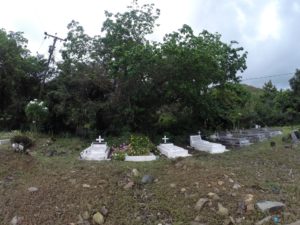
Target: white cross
column 165, row 139
column 100, row 139
column 199, row 133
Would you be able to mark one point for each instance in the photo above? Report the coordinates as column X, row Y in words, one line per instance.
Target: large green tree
column 19, row 78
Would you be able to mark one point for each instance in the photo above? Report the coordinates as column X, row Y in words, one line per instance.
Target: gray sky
column 267, row 29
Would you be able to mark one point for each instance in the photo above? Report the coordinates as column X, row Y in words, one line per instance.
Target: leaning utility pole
column 51, row 51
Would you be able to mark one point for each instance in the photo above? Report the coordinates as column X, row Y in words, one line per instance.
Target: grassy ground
column 265, row 172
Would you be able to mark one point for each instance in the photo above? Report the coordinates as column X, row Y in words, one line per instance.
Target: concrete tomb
column 140, row 158
column 97, row 151
column 201, row 145
column 172, row 151
column 230, row 140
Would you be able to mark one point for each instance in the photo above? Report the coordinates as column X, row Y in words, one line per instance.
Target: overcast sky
column 267, row 29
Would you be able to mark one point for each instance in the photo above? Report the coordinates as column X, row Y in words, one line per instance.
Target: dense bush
column 23, row 140
column 140, row 145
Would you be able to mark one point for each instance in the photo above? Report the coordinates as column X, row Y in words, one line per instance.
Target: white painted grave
column 201, row 145
column 4, row 141
column 170, row 150
column 140, row 158
column 97, row 151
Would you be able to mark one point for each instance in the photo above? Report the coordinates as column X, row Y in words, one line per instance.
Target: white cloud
column 269, row 22
column 296, row 7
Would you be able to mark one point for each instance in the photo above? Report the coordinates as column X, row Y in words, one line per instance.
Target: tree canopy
column 121, row 81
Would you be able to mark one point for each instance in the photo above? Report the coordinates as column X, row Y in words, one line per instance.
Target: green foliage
column 22, row 139
column 19, row 78
column 140, row 145
column 36, row 111
column 120, row 81
column 120, row 156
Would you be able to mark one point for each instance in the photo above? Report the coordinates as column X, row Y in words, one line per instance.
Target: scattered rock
column 16, row 220
column 183, row 190
column 104, row 211
column 241, row 208
column 236, row 186
column 73, row 181
column 264, row 220
column 200, row 203
column 129, row 185
column 32, row 189
column 86, row 215
column 228, row 222
column 248, row 198
column 213, row 196
column 135, row 172
column 250, row 207
column 86, row 185
column 230, row 180
column 239, row 220
column 98, row 218
column 220, row 182
column 269, row 205
column 172, row 185
column 147, row 179
column 222, row 210
column 197, row 219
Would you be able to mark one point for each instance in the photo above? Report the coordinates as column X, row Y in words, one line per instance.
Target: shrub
column 36, row 112
column 140, row 145
column 118, row 156
column 23, row 140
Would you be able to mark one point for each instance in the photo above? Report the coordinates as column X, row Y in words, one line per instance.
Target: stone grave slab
column 201, row 145
column 97, row 151
column 172, row 151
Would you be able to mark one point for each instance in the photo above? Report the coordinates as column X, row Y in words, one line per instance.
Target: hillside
column 60, row 190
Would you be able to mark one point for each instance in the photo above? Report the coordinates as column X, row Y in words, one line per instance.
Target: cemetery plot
column 97, row 151
column 198, row 144
column 172, row 151
column 246, row 137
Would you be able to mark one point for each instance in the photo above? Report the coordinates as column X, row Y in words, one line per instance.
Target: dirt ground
column 69, row 189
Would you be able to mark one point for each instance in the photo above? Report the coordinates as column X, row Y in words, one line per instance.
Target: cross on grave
column 100, row 139
column 199, row 133
column 165, row 139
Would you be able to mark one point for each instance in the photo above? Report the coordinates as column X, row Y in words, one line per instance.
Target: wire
column 268, row 76
column 43, row 41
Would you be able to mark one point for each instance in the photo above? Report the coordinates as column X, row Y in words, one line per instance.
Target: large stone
column 269, row 205
column 236, row 186
column 213, row 196
column 200, row 203
column 147, row 179
column 128, row 185
column 222, row 210
column 135, row 172
column 104, row 210
column 16, row 220
column 86, row 215
column 98, row 218
column 33, row 189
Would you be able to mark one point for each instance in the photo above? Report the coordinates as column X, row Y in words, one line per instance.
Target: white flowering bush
column 36, row 111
